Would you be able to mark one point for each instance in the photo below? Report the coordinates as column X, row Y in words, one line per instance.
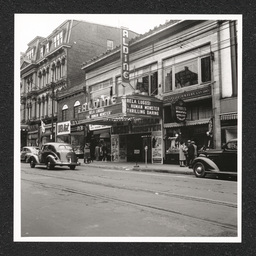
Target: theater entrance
column 136, row 144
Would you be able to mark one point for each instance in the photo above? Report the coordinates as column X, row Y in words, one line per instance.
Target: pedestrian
column 104, row 152
column 195, row 148
column 191, row 153
column 92, row 149
column 182, row 151
column 87, row 153
column 97, row 152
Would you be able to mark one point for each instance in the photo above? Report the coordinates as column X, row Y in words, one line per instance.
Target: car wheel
column 72, row 167
column 32, row 163
column 199, row 170
column 49, row 165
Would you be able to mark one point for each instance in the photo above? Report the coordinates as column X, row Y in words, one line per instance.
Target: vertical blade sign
column 125, row 55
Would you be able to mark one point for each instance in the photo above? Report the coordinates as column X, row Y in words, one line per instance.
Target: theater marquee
column 142, row 107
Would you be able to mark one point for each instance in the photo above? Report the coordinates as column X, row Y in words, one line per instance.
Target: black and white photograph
column 128, row 128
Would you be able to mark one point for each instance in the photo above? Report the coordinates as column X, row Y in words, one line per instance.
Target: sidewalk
column 164, row 168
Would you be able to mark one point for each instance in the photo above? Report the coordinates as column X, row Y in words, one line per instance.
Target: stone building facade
column 53, row 64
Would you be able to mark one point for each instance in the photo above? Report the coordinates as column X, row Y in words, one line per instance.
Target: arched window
column 65, row 113
column 76, row 107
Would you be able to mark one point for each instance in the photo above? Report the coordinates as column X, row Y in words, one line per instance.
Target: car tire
column 32, row 163
column 49, row 165
column 72, row 167
column 199, row 169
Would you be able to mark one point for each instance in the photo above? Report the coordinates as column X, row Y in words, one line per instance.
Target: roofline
column 133, row 42
column 37, row 37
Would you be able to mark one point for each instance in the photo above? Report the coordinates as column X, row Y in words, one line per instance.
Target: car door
column 40, row 154
column 229, row 157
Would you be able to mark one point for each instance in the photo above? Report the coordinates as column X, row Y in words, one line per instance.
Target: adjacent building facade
column 52, row 65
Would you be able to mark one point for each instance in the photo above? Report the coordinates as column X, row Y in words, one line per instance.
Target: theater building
column 181, row 85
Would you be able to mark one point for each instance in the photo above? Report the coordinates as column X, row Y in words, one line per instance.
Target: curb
column 139, row 169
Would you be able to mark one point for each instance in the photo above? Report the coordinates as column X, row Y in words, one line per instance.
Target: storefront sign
column 125, row 55
column 188, row 95
column 98, row 127
column 180, row 111
column 63, row 128
column 143, row 107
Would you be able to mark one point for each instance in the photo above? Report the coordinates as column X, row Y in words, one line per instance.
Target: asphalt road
column 95, row 202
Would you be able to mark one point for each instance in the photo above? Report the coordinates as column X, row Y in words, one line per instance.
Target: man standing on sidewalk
column 191, row 153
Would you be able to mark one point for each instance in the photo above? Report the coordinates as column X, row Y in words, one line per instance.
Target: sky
column 28, row 26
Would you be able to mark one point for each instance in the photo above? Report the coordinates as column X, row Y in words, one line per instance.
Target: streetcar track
column 185, row 197
column 113, row 199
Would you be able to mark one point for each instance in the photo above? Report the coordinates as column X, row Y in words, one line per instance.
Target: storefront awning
column 187, row 123
column 230, row 116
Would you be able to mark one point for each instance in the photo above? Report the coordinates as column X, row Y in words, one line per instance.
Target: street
column 98, row 202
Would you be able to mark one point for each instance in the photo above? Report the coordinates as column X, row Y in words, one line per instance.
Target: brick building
column 53, row 64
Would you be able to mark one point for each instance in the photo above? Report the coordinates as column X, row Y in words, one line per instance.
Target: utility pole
column 52, row 85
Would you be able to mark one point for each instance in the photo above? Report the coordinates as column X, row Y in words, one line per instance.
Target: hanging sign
column 180, row 111
column 125, row 55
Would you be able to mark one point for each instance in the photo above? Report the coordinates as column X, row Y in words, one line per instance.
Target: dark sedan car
column 217, row 161
column 27, row 152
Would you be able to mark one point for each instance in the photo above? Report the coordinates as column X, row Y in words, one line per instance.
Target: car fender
column 209, row 164
column 35, row 158
column 52, row 158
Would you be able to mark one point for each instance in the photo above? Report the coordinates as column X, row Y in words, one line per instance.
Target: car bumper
column 67, row 163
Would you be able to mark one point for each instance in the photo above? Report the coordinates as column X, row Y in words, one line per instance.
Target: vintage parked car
column 54, row 153
column 27, row 152
column 217, row 161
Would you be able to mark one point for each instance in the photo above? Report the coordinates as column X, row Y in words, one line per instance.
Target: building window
column 57, row 40
column 47, row 48
column 30, row 54
column 76, row 108
column 58, row 70
column 206, row 69
column 65, row 113
column 42, row 52
column 101, row 90
column 187, row 73
column 146, row 79
column 110, row 45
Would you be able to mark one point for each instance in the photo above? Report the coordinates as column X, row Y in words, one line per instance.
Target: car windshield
column 65, row 148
